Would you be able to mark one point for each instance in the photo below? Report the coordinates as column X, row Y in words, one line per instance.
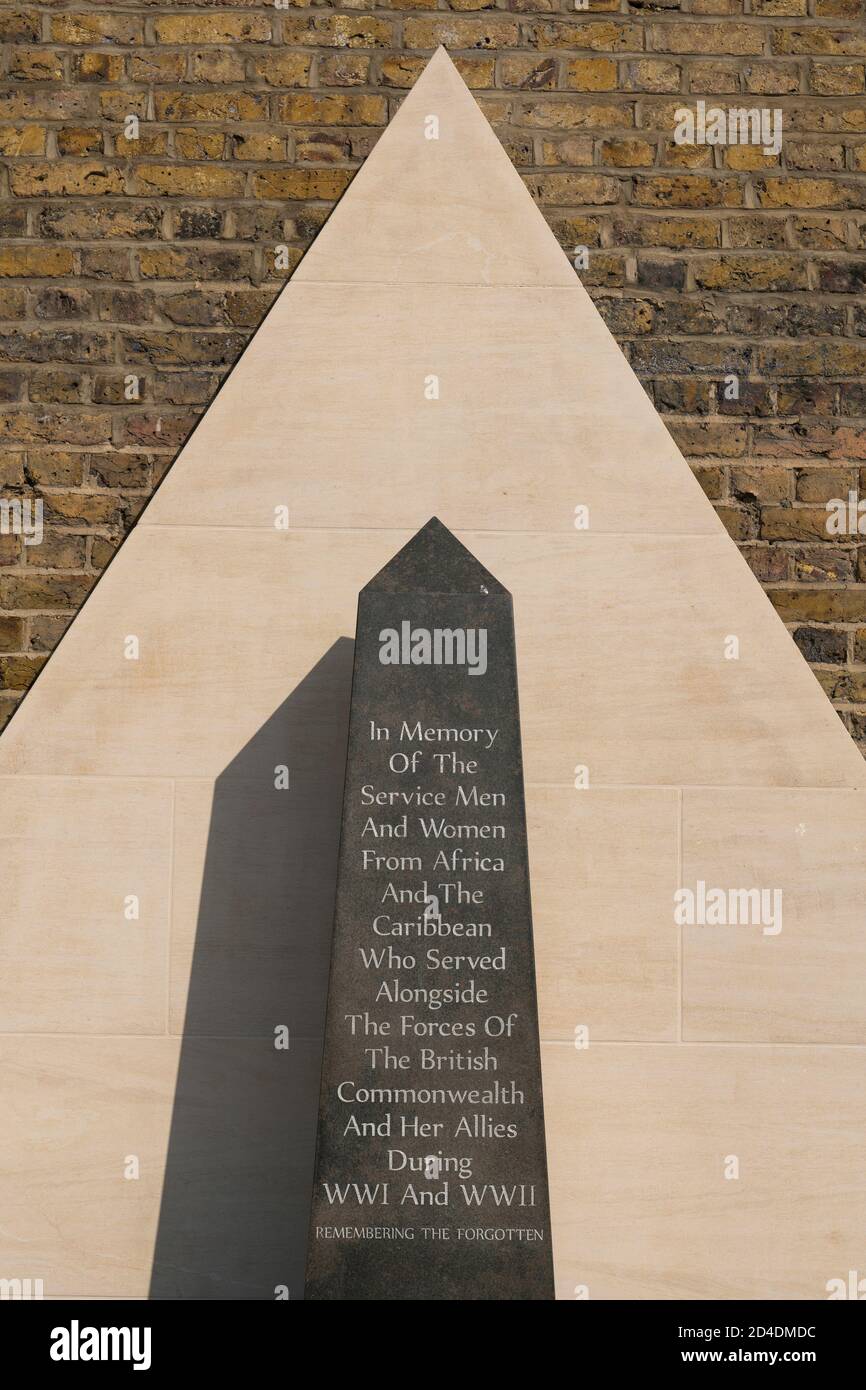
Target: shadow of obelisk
column 236, row 1198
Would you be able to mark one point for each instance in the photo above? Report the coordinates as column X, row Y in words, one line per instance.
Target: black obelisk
column 431, row 1175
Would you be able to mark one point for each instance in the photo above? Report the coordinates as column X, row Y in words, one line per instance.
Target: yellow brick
column 36, row 64
column 311, row 108
column 301, row 183
column 627, row 154
column 199, row 144
column 98, row 67
column 22, row 139
column 282, row 69
column 213, row 28
column 210, row 106
column 259, row 145
column 745, row 157
column 192, row 180
column 74, row 140
column 461, row 32
column 679, row 37
column 85, row 178
column 339, row 31
column 35, row 261
column 96, row 28
column 803, row 193
column 601, row 36
column 591, row 74
column 836, row 79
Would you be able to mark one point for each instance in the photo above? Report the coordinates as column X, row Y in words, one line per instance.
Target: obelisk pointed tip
column 434, row 561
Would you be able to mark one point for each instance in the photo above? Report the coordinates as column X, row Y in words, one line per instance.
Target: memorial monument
column 170, row 824
column 431, row 1179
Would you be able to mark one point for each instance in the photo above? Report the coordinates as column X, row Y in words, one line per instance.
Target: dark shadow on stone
column 238, row 1180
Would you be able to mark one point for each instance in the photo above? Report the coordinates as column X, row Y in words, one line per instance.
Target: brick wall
column 153, row 258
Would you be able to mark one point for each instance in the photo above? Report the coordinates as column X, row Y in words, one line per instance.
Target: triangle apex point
column 440, row 57
column 434, row 561
column 435, row 523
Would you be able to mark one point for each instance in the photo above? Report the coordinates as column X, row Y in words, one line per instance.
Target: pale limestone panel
column 807, row 981
column 229, row 623
column 621, row 663
column 76, row 1110
column 603, row 867
column 252, row 613
column 638, row 1141
column 223, row 1131
column 77, row 954
column 451, row 209
column 538, row 413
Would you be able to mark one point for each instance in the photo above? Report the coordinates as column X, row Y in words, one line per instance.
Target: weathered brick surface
column 143, row 257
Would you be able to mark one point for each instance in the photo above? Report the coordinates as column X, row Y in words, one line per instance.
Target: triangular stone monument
column 170, row 806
